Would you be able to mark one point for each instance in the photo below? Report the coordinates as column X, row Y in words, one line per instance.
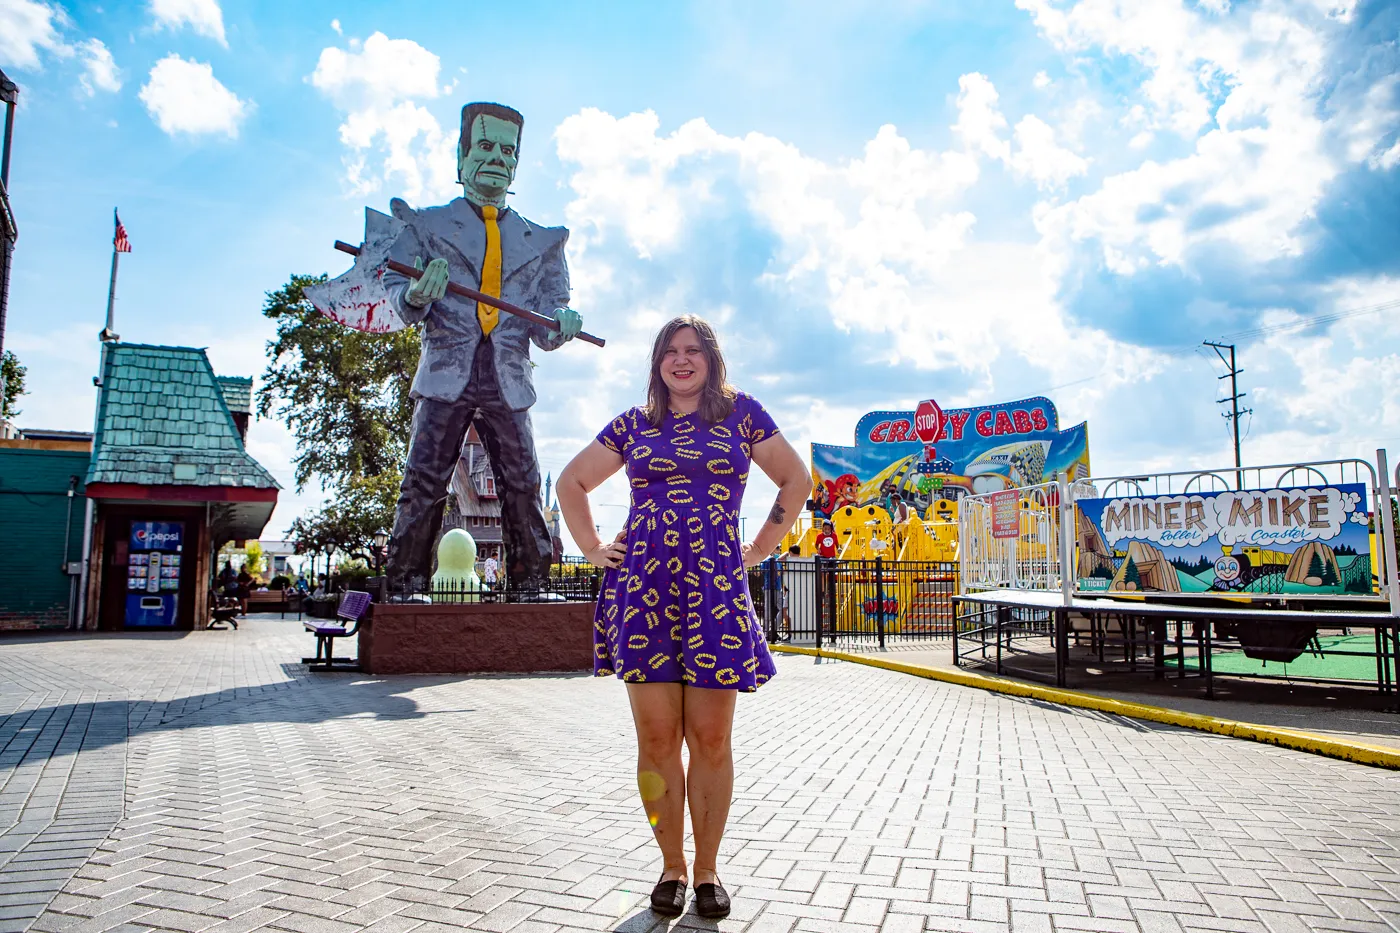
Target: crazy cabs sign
column 936, row 453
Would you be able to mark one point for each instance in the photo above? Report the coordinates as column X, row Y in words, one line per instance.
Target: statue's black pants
column 433, row 449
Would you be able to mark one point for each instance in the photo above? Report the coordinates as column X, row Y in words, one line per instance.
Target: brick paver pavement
column 205, row 783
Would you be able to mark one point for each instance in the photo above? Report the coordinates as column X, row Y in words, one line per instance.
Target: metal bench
column 346, row 623
column 222, row 609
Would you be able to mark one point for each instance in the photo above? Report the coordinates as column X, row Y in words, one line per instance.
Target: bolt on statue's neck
column 483, row 198
column 486, row 161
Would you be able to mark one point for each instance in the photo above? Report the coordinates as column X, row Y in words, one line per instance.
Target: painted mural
column 961, row 451
column 1301, row 540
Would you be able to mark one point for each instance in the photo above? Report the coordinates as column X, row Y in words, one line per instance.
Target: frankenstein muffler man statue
column 475, row 367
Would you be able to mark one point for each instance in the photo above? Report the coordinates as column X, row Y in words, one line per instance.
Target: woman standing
column 674, row 618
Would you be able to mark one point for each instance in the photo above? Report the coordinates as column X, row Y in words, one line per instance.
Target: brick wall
column 56, row 617
column 34, row 590
column 515, row 638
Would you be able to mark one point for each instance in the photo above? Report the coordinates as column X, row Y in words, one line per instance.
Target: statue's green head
column 488, row 151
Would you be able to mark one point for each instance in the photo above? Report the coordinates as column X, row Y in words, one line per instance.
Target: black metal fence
column 802, row 601
column 569, row 581
column 1009, row 640
column 809, row 601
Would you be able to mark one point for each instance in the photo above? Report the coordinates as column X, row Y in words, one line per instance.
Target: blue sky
column 876, row 202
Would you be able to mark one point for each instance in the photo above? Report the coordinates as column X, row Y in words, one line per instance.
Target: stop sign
column 928, row 421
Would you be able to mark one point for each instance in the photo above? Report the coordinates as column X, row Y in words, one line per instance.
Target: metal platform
column 997, row 628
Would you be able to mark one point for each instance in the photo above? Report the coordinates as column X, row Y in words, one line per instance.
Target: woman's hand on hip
column 608, row 556
column 752, row 556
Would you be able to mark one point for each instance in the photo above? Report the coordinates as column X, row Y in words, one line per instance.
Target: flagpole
column 109, row 333
column 106, row 338
column 112, row 289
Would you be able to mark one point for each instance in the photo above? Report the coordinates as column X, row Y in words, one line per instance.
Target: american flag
column 119, row 242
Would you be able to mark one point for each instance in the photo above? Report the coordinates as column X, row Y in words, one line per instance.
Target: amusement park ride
column 920, row 465
column 979, row 508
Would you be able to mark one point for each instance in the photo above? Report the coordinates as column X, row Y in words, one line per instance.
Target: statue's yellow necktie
column 490, row 271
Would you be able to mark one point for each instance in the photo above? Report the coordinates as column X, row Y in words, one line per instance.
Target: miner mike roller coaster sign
column 1301, row 540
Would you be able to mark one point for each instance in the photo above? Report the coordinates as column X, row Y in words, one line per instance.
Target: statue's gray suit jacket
column 533, row 275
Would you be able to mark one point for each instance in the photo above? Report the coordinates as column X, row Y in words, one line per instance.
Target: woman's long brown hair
column 716, row 399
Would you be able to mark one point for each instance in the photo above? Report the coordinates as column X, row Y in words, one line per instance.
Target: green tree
column 12, row 374
column 1131, row 575
column 349, row 521
column 253, row 559
column 1329, row 575
column 343, row 393
column 1315, row 566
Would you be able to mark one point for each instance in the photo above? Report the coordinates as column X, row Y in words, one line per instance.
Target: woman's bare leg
column 709, row 721
column 657, row 713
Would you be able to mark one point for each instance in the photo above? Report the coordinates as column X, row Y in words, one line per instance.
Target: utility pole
column 1233, row 415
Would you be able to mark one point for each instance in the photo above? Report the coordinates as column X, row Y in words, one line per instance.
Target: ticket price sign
column 153, row 574
column 1006, row 514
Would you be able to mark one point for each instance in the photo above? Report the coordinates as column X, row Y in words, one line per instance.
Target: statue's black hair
column 473, row 110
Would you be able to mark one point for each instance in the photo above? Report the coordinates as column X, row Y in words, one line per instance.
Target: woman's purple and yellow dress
column 678, row 609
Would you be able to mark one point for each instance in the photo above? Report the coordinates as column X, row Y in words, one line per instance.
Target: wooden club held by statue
column 358, row 299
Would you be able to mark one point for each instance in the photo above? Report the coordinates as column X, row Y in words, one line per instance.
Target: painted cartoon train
column 1256, row 562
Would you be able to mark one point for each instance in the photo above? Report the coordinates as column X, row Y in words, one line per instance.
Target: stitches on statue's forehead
column 480, row 128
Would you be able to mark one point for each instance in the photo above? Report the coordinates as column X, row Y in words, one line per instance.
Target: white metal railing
column 1273, row 476
column 1031, row 558
column 1045, row 543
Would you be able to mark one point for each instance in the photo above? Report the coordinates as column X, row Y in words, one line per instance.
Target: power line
column 1312, row 320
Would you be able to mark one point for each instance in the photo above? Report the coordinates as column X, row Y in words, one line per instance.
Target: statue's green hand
column 570, row 322
column 431, row 286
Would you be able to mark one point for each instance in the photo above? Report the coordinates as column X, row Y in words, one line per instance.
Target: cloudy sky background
column 876, row 202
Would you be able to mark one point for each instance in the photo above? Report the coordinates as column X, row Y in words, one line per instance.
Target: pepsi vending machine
column 153, row 574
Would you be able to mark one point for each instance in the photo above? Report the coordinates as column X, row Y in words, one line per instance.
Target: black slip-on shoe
column 668, row 898
column 711, row 901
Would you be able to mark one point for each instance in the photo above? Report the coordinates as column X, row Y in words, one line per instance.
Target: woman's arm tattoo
column 777, row 514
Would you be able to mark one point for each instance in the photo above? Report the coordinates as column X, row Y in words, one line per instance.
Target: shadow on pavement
column 340, row 701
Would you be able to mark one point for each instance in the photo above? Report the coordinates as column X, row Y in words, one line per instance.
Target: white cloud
column 100, row 72
column 1387, row 160
column 1036, row 155
column 1368, row 123
column 1039, row 158
column 390, row 137
column 879, row 242
column 880, row 247
column 1252, row 180
column 28, row 27
column 1041, row 80
column 1337, row 390
column 335, row 25
column 185, row 97
column 203, row 16
column 980, row 123
column 1163, row 34
column 380, row 68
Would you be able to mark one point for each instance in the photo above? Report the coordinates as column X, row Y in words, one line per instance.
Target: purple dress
column 678, row 609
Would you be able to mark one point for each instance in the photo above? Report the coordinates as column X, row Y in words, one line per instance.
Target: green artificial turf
column 1307, row 664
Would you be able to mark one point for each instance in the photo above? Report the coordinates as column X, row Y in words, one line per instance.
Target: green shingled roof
column 162, row 421
column 237, row 392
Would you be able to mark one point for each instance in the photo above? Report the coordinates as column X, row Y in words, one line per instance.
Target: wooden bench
column 346, row 623
column 266, row 600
